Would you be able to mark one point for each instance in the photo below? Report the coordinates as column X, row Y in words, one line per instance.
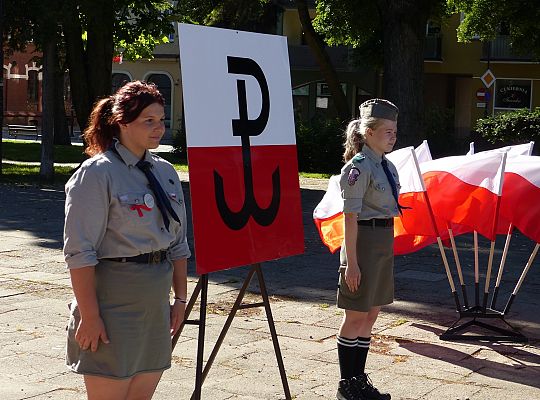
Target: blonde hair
column 355, row 135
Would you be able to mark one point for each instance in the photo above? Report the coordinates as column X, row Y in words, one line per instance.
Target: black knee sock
column 347, row 356
column 362, row 348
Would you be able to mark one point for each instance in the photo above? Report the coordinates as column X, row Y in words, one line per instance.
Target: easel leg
column 273, row 332
column 189, row 307
column 200, row 347
column 228, row 323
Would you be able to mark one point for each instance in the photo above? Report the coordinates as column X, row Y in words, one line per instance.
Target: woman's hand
column 89, row 332
column 352, row 277
column 178, row 311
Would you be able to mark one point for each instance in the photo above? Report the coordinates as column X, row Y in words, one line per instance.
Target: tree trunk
column 61, row 130
column 76, row 60
column 100, row 47
column 317, row 47
column 46, row 170
column 403, row 43
column 90, row 69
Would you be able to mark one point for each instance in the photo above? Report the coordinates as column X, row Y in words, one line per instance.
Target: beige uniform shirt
column 106, row 215
column 365, row 188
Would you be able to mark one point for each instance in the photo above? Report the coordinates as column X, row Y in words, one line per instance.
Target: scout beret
column 379, row 108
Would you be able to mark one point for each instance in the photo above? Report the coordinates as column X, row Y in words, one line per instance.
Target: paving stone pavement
column 407, row 358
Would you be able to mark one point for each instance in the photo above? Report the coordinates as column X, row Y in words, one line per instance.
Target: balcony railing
column 433, row 48
column 500, row 49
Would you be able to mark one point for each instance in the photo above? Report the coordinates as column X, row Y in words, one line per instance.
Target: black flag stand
column 202, row 289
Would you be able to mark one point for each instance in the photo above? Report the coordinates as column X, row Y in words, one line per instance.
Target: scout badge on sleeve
column 354, row 173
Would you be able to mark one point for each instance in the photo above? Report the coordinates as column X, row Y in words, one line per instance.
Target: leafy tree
column 248, row 15
column 392, row 32
column 91, row 30
column 486, row 18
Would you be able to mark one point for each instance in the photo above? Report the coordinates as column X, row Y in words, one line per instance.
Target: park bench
column 23, row 130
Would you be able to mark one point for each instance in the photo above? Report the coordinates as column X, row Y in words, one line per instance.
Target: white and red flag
column 328, row 216
column 464, row 190
column 525, row 149
column 240, row 134
column 520, row 203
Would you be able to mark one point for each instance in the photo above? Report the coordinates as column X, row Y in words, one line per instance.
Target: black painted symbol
column 245, row 127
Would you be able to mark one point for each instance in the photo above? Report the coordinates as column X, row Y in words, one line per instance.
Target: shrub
column 320, row 145
column 439, row 128
column 511, row 127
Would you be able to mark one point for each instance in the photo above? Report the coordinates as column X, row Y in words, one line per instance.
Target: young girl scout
column 369, row 187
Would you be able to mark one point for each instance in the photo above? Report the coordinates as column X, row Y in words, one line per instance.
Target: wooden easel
column 202, row 289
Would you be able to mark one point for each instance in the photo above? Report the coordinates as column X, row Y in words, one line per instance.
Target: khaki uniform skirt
column 134, row 305
column 375, row 254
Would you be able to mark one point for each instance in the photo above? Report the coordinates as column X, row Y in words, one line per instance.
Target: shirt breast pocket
column 137, row 209
column 177, row 203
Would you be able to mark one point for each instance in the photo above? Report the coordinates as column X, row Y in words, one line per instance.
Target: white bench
column 23, row 130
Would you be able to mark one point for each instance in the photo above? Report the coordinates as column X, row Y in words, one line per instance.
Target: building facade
column 456, row 82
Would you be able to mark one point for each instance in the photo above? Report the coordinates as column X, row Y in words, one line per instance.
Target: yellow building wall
column 141, row 70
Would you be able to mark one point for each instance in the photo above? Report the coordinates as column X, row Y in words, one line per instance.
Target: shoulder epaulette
column 359, row 158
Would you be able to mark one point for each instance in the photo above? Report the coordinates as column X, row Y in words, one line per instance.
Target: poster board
column 240, row 134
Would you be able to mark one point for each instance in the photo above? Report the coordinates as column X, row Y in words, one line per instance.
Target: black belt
column 384, row 222
column 154, row 257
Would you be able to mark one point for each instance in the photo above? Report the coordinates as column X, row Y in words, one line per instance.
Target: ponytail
column 355, row 135
column 101, row 127
column 353, row 140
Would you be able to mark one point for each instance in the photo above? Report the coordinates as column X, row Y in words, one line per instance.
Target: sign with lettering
column 243, row 167
column 513, row 94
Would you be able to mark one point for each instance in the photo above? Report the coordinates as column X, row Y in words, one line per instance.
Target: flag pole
column 475, row 239
column 439, row 242
column 501, row 266
column 494, row 232
column 476, row 271
column 521, row 278
column 458, row 265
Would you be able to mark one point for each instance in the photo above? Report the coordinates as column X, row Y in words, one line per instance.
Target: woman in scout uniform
column 369, row 186
column 125, row 246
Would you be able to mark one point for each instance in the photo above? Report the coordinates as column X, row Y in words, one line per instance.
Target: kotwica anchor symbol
column 244, row 127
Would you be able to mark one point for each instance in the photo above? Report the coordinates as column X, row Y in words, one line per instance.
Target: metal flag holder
column 478, row 314
column 202, row 289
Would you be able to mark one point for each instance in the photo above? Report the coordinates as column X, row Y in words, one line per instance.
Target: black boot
column 348, row 390
column 366, row 389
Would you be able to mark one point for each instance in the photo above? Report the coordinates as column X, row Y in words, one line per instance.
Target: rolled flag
column 328, row 216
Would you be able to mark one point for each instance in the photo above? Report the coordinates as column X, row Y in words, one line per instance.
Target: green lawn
column 31, row 151
column 17, row 173
column 13, row 150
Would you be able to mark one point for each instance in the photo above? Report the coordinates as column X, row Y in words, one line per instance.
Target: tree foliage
column 487, row 18
column 248, row 15
column 389, row 35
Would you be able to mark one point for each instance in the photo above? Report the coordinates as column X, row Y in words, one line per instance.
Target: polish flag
column 328, row 216
column 464, row 189
column 525, row 149
column 415, row 227
column 521, row 195
column 503, row 224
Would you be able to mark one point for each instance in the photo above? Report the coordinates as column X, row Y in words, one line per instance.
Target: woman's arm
column 91, row 328
column 178, row 308
column 352, row 272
